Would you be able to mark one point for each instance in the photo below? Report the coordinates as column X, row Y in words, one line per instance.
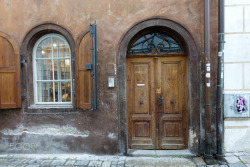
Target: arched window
column 52, row 70
column 154, row 42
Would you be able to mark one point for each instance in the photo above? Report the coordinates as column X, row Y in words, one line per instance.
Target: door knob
column 172, row 101
column 141, row 102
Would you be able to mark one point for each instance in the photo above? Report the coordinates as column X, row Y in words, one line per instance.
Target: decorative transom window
column 154, row 42
column 52, row 70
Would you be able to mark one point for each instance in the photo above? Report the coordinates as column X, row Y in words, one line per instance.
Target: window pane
column 60, row 48
column 44, row 70
column 56, row 47
column 57, row 91
column 65, row 68
column 45, row 91
column 64, row 49
column 62, row 71
column 66, row 92
column 56, row 69
column 44, row 49
column 62, row 92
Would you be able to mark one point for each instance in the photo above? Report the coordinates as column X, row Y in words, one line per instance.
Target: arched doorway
column 156, row 91
column 193, row 82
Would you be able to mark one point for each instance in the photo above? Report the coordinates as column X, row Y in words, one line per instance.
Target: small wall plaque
column 111, row 82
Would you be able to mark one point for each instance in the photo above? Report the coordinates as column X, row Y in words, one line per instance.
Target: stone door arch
column 193, row 80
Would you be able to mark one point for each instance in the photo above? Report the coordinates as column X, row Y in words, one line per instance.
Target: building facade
column 237, row 68
column 150, row 76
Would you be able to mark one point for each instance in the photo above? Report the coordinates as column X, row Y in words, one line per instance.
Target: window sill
column 41, row 106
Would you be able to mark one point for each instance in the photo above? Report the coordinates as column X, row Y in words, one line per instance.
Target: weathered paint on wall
column 74, row 130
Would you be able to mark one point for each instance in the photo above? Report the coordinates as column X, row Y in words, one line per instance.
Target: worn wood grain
column 83, row 76
column 10, row 96
column 152, row 125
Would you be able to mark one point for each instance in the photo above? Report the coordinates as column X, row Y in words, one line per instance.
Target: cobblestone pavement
column 86, row 160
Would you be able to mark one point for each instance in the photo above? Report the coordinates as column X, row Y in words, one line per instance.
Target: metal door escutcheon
column 160, row 101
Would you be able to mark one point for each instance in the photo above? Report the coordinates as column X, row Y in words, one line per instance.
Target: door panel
column 157, row 124
column 170, row 78
column 141, row 103
column 172, row 72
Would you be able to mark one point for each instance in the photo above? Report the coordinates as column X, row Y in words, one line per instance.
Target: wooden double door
column 157, row 103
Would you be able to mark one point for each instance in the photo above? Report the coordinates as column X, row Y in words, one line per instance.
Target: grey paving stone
column 232, row 160
column 126, row 165
column 199, row 161
column 229, row 154
column 3, row 165
column 239, row 154
column 23, row 161
column 212, row 165
column 113, row 158
column 81, row 163
column 114, row 162
column 22, row 165
column 223, row 166
column 58, row 162
column 32, row 165
column 245, row 159
column 236, row 165
column 95, row 163
column 121, row 164
column 122, row 158
column 106, row 164
column 70, row 162
column 4, row 161
column 113, row 166
column 34, row 161
column 46, row 162
column 14, row 161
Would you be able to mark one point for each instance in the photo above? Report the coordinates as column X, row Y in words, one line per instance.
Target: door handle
column 160, row 101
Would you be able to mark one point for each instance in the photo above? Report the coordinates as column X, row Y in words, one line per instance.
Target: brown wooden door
column 156, row 103
column 171, row 86
column 141, row 103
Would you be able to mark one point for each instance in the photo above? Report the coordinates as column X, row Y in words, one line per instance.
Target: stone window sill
column 50, row 107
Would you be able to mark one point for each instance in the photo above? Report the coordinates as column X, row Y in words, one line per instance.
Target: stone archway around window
column 26, row 55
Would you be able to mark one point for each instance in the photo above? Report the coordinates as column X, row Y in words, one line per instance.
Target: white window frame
column 53, row 81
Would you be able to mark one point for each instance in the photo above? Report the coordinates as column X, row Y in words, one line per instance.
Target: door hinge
column 23, row 96
column 23, row 62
